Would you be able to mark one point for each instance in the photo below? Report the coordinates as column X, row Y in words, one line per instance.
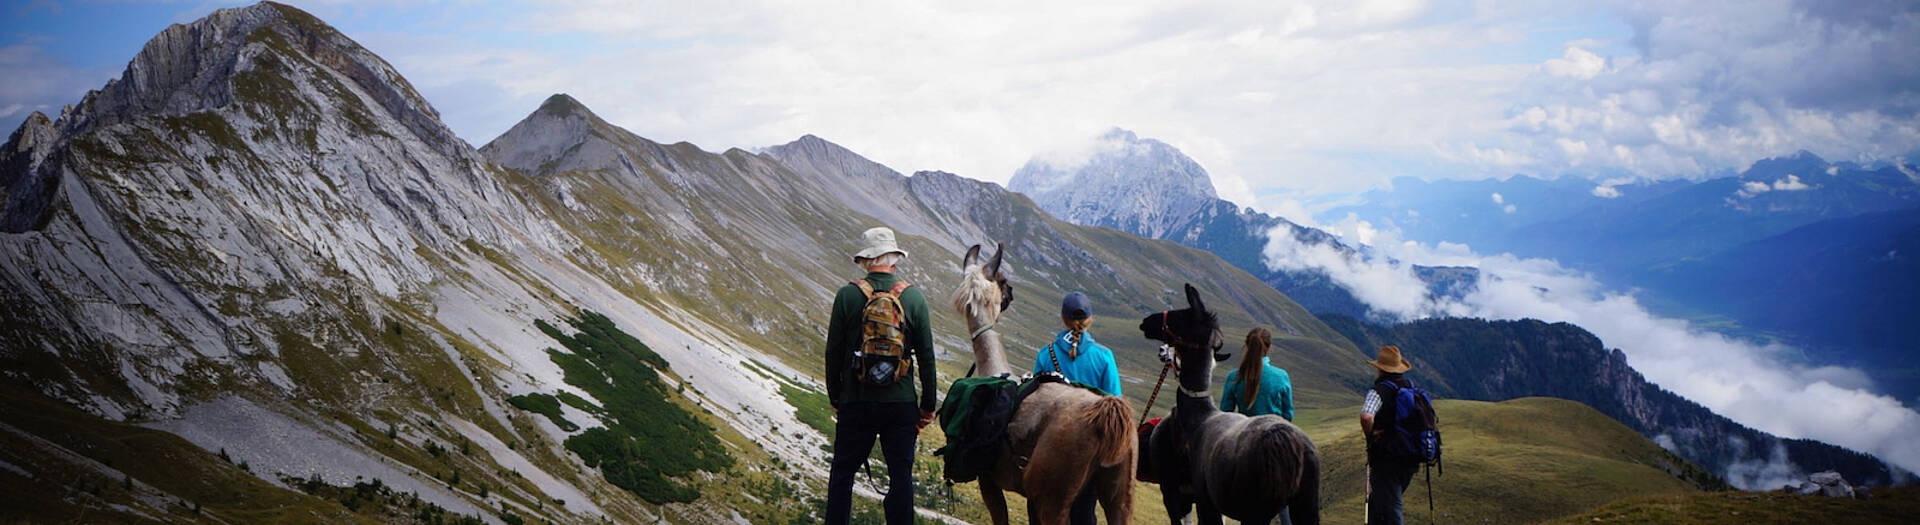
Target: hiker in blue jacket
column 1074, row 354
column 1258, row 388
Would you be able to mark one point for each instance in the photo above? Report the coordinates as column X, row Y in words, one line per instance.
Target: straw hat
column 1389, row 361
column 877, row 242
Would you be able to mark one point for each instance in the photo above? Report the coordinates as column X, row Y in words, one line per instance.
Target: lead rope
column 1156, row 392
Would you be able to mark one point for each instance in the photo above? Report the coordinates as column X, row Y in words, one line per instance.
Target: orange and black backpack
column 882, row 358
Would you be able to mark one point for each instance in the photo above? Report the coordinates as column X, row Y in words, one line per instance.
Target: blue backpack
column 1413, row 433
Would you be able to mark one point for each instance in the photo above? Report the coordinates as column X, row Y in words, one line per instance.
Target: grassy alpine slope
column 1890, row 506
column 1517, row 461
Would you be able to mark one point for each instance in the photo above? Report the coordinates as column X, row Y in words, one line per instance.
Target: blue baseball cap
column 1076, row 306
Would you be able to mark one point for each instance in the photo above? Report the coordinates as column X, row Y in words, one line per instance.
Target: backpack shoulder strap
column 899, row 287
column 866, row 288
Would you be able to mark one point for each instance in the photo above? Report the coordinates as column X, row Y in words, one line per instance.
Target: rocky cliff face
column 249, row 165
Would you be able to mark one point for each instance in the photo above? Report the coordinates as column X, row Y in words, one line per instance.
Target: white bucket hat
column 878, row 242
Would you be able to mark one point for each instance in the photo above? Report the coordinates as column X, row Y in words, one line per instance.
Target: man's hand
column 1166, row 354
column 926, row 416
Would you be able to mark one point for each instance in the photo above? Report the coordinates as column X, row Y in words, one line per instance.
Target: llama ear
column 1193, row 299
column 973, row 254
column 993, row 267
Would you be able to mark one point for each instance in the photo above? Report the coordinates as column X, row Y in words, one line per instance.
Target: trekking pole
column 1366, row 494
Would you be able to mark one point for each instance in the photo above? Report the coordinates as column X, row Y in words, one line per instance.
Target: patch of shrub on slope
column 545, row 405
column 647, row 440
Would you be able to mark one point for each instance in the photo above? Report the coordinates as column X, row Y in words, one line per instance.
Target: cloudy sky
column 1276, row 99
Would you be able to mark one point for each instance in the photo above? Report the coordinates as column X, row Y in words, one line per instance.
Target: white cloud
column 1755, row 384
column 1753, row 188
column 1610, row 188
column 1501, row 202
column 1771, row 473
column 1577, row 63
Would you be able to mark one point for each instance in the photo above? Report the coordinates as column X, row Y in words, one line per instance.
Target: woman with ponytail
column 1257, row 387
column 1074, row 354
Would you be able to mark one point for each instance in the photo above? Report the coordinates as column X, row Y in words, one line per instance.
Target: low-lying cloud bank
column 1757, row 385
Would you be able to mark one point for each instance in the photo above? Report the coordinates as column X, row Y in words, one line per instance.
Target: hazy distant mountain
column 1151, row 189
column 1802, row 228
column 1467, row 211
column 1500, row 360
column 1843, row 288
column 1621, row 231
column 1773, row 196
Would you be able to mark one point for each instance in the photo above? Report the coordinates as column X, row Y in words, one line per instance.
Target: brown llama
column 1061, row 438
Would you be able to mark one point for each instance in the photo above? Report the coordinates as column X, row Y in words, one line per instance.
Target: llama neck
column 1196, row 375
column 989, row 358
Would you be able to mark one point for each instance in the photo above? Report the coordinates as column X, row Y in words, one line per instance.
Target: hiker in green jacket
column 878, row 336
column 1258, row 388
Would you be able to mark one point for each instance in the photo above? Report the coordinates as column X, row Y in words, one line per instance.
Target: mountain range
column 256, row 279
column 1824, row 237
column 1461, row 358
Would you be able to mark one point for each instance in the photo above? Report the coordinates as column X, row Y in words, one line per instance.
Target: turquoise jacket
column 1093, row 367
column 1275, row 395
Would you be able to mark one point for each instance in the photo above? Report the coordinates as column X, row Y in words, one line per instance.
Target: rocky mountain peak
column 1120, row 181
column 33, row 137
column 561, row 106
column 813, row 155
column 25, row 189
column 561, row 126
column 253, row 54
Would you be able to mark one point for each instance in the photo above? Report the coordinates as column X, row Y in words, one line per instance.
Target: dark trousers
column 859, row 423
column 1082, row 512
column 1388, row 481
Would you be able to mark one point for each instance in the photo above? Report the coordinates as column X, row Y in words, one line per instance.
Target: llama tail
column 1289, row 458
column 1109, row 419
